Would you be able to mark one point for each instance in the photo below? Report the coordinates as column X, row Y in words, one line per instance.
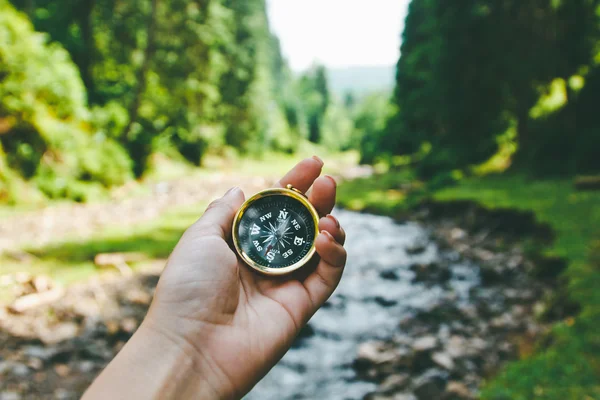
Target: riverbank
column 426, row 310
column 566, row 364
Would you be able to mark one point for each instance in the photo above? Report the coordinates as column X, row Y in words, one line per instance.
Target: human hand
column 227, row 324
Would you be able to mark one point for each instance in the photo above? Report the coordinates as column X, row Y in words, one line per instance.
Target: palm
column 247, row 321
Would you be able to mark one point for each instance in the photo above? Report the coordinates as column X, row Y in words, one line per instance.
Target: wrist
column 188, row 371
column 155, row 364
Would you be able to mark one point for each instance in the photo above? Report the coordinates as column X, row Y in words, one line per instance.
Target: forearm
column 153, row 366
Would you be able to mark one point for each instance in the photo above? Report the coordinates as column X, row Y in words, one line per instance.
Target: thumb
column 218, row 217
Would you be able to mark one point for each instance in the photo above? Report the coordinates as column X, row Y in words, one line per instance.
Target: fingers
column 322, row 194
column 218, row 217
column 332, row 225
column 325, row 278
column 303, row 174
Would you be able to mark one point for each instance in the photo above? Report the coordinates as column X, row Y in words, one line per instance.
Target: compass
column 275, row 230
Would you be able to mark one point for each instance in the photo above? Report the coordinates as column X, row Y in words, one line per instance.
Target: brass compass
column 275, row 230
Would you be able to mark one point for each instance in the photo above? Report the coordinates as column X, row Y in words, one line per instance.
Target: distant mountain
column 362, row 80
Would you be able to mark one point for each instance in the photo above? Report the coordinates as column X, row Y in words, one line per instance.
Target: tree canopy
column 471, row 70
column 123, row 80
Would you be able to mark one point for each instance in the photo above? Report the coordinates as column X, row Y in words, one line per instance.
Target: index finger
column 303, row 174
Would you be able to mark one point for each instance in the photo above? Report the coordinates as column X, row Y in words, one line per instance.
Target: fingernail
column 329, row 235
column 334, row 219
column 319, row 160
column 331, row 179
column 231, row 191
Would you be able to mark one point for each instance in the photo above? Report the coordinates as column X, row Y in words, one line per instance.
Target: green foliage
column 158, row 76
column 314, row 94
column 370, row 118
column 388, row 193
column 472, row 69
column 45, row 135
column 568, row 368
column 337, row 127
column 570, row 134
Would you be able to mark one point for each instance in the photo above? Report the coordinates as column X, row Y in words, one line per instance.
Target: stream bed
column 424, row 311
column 409, row 320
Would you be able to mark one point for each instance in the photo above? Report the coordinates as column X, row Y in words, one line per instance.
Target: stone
column 10, row 395
column 20, row 370
column 59, row 332
column 87, row 307
column 389, row 275
column 430, row 385
column 469, row 311
column 306, row 332
column 404, row 396
column 34, row 300
column 457, row 234
column 139, row 297
column 443, row 360
column 35, row 364
column 42, row 283
column 39, row 352
column 504, row 322
column 483, row 254
column 456, row 346
column 426, row 343
column 382, row 301
column 477, row 344
column 416, row 248
column 432, row 272
column 5, row 366
column 86, row 366
column 373, row 353
column 394, row 383
column 404, row 358
column 457, row 391
column 129, row 325
column 63, row 394
column 97, row 351
column 62, row 370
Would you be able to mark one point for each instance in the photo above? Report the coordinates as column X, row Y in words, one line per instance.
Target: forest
column 121, row 120
column 477, row 77
column 89, row 92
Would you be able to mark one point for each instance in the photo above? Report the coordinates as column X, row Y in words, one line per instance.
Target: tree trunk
column 142, row 72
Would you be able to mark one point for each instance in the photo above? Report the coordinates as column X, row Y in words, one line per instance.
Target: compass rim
column 293, row 193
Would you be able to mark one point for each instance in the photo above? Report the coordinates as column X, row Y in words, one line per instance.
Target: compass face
column 276, row 231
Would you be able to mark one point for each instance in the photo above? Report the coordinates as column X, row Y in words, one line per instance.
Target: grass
column 569, row 367
column 387, row 193
column 72, row 259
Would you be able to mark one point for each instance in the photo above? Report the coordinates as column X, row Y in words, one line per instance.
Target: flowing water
column 376, row 292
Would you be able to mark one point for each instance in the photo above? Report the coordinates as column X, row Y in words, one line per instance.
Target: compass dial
column 276, row 232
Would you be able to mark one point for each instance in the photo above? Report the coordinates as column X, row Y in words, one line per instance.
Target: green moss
column 388, row 193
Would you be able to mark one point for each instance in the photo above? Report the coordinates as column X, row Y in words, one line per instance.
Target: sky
column 338, row 33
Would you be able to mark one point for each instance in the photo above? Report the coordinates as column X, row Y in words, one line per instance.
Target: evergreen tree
column 470, row 69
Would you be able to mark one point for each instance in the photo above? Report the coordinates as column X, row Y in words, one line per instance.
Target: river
column 422, row 312
column 376, row 292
